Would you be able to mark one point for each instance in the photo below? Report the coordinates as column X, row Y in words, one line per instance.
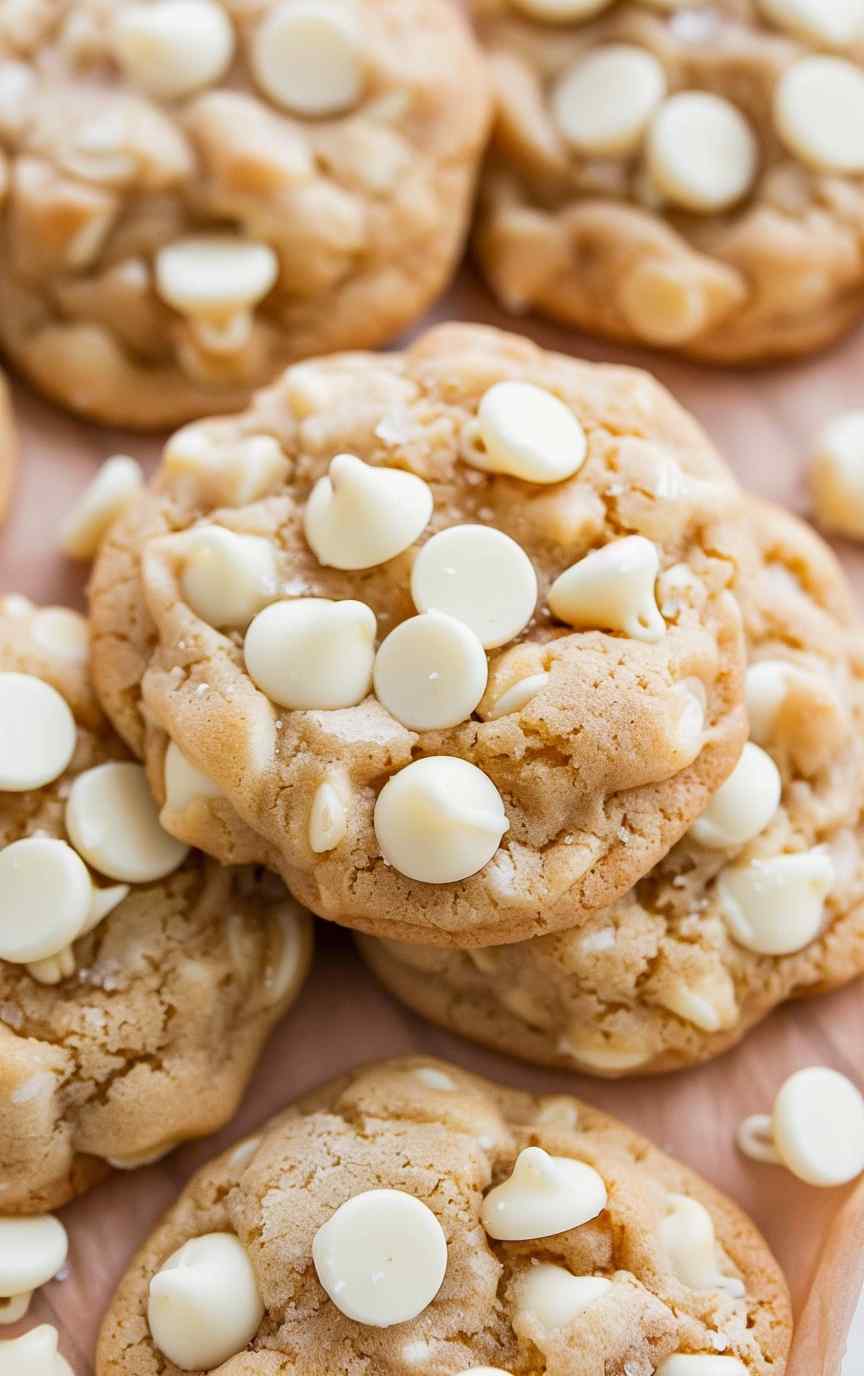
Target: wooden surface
column 763, row 423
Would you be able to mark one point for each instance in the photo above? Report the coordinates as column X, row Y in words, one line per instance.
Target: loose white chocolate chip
column 360, row 516
column 819, row 113
column 328, row 819
column 545, row 1195
column 32, row 1251
column 701, row 152
column 688, row 1238
column 816, row 1128
column 37, row 733
column 837, row 475
column 204, row 1306
column 381, row 1258
column 526, row 432
column 61, row 632
column 113, row 822
column 697, row 1364
column 519, row 696
column 481, row 577
column 612, row 589
column 46, row 895
column 837, row 24
column 742, row 806
column 33, row 1354
column 439, row 820
column 431, row 672
column 214, row 276
column 549, row 1297
column 602, row 105
column 775, row 907
column 561, row 11
column 173, row 48
column 112, row 490
column 306, row 56
column 312, row 654
column 184, row 783
column 228, row 578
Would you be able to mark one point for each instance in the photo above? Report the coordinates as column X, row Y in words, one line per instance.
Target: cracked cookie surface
column 444, row 1137
column 687, row 176
column 589, row 774
column 182, row 216
column 143, row 1032
column 720, row 933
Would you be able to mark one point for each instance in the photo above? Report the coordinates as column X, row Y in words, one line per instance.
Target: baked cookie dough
column 136, row 991
column 761, row 902
column 681, row 174
column 453, row 631
column 198, row 192
column 8, row 447
column 514, row 1233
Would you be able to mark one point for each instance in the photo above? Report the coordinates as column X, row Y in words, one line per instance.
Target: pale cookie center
column 819, row 113
column 701, row 152
column 603, row 104
column 173, row 48
column 32, row 1251
column 37, row 733
column 549, row 1297
column 185, row 784
column 312, row 653
column 34, row 1354
column 612, row 589
column 228, row 578
column 697, row 1364
column 525, row 432
column 838, row 23
column 431, row 672
column 816, row 1128
column 544, row 1195
column 742, row 806
column 117, row 482
column 479, row 576
column 382, row 1257
column 306, row 55
column 837, row 475
column 216, row 280
column 46, row 895
column 439, row 820
column 204, row 1305
column 360, row 516
column 776, row 907
column 113, row 821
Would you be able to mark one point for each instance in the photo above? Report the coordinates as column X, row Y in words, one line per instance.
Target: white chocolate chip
column 306, row 56
column 526, row 432
column 215, row 275
column 662, row 305
column 118, row 481
column 766, row 689
column 708, row 1002
column 227, row 475
column 697, row 1364
column 561, row 11
column 431, row 672
column 61, row 632
column 113, row 822
column 837, row 476
column 328, row 819
column 45, row 898
column 549, row 1297
column 519, row 696
column 312, row 654
column 433, row 1078
column 776, row 907
column 173, row 48
column 184, row 782
column 204, row 1306
column 818, row 1124
column 228, row 578
column 381, row 1257
column 37, row 733
column 838, row 23
column 603, row 103
column 480, row 576
column 33, row 1354
column 544, row 1196
column 701, row 152
column 742, row 806
column 819, row 113
column 360, row 516
column 32, row 1251
column 612, row 589
column 439, row 820
column 688, row 1238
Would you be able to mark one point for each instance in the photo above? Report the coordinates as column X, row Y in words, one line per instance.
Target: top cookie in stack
column 449, row 638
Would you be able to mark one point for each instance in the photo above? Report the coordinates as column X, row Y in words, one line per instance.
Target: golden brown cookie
column 201, row 191
column 684, row 175
column 762, row 901
column 132, row 1009
column 596, row 1253
column 447, row 703
column 8, row 447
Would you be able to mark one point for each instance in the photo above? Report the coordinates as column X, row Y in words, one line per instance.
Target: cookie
column 684, row 176
column 511, row 1231
column 761, row 902
column 199, row 192
column 136, row 994
column 452, row 630
column 8, row 447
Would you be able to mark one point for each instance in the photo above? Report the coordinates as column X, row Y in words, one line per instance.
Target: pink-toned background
column 763, row 422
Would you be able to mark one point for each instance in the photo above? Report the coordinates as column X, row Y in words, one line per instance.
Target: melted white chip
column 306, row 56
column 837, row 475
column 742, row 806
column 173, row 48
column 528, row 433
column 312, row 653
column 204, row 1305
column 439, row 820
column 115, row 485
column 184, row 783
column 227, row 578
column 544, row 1195
column 113, row 822
column 776, row 907
column 549, row 1297
column 33, row 1354
column 215, row 275
column 32, row 1251
column 688, row 1238
column 603, row 104
column 360, row 516
column 328, row 818
column 37, row 733
column 612, row 589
